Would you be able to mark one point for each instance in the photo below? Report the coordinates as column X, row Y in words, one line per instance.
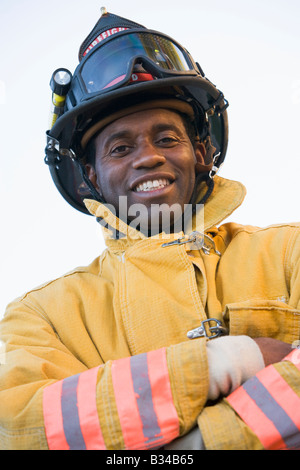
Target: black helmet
column 123, row 64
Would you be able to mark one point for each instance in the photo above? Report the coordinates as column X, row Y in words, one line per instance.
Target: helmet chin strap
column 96, row 195
column 204, row 172
column 201, row 177
column 211, row 184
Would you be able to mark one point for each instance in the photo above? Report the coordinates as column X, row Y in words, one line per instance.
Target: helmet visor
column 112, row 63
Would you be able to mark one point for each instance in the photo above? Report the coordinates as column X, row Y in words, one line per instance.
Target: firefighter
column 182, row 334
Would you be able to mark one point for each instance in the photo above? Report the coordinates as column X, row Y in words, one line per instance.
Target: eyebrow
column 166, row 127
column 118, row 135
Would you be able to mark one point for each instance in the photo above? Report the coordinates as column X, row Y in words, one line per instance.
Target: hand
column 272, row 350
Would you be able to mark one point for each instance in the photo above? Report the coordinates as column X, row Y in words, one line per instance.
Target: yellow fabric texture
column 137, row 297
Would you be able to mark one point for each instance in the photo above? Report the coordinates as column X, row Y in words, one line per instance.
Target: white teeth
column 152, row 185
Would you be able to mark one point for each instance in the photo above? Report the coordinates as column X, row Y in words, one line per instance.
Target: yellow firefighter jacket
column 100, row 359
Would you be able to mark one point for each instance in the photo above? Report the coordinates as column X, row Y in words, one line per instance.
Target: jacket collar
column 226, row 197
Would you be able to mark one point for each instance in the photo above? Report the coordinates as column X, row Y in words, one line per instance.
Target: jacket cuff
column 188, row 373
column 222, row 429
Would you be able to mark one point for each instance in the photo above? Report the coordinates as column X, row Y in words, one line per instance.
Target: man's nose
column 148, row 156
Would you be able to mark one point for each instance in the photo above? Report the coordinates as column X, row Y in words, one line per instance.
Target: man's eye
column 168, row 140
column 120, row 149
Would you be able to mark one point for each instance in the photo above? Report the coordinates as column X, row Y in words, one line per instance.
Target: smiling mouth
column 152, row 185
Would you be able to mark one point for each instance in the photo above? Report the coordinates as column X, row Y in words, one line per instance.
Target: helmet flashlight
column 60, row 84
column 60, row 81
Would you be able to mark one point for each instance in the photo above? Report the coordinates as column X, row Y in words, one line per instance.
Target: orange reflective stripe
column 294, row 357
column 87, row 410
column 271, row 408
column 252, row 415
column 282, row 393
column 53, row 418
column 70, row 413
column 144, row 400
column 128, row 412
column 162, row 395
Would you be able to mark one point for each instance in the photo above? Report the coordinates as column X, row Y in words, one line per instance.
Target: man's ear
column 200, row 152
column 92, row 175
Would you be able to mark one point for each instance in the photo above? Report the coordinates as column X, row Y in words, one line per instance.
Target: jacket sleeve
column 263, row 413
column 50, row 400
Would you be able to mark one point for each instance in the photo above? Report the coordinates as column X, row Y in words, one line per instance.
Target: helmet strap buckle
column 215, row 169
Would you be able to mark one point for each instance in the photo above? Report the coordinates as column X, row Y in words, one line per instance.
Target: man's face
column 148, row 158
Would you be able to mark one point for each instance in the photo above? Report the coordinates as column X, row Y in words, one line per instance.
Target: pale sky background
column 248, row 48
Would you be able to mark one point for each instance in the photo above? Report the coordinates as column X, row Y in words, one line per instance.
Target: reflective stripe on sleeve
column 144, row 400
column 271, row 408
column 294, row 357
column 162, row 394
column 53, row 418
column 87, row 410
column 70, row 413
